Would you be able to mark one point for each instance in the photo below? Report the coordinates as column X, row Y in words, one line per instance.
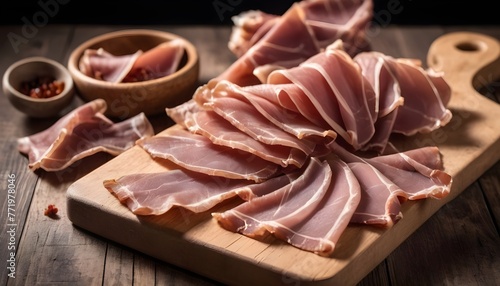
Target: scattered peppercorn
column 51, row 211
column 42, row 87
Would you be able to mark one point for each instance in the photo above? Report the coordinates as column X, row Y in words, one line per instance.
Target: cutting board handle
column 469, row 60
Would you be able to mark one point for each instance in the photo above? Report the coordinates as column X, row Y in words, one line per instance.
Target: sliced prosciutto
column 261, row 98
column 292, row 128
column 420, row 96
column 320, row 231
column 197, row 153
column 249, row 27
column 243, row 116
column 221, row 132
column 281, row 208
column 301, row 32
column 157, row 193
column 363, row 100
column 157, row 62
column 81, row 133
column 208, row 123
column 387, row 180
column 160, row 61
column 102, row 65
column 336, row 88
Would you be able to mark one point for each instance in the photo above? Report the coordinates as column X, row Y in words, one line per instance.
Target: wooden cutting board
column 470, row 144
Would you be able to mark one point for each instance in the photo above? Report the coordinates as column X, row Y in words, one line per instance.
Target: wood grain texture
column 118, row 266
column 194, row 241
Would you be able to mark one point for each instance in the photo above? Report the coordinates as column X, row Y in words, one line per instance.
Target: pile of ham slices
column 292, row 128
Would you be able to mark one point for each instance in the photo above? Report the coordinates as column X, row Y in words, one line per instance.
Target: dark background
column 156, row 12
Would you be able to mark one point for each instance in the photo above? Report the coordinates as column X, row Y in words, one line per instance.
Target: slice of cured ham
column 102, row 65
column 301, row 32
column 281, row 208
column 387, row 180
column 249, row 27
column 243, row 116
column 207, row 158
column 336, row 88
column 157, row 62
column 320, row 231
column 81, row 133
column 160, row 61
column 420, row 96
column 221, row 132
column 157, row 193
column 261, row 98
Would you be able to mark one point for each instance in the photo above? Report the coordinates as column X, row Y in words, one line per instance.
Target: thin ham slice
column 160, row 61
column 242, row 115
column 207, row 158
column 388, row 97
column 221, row 132
column 249, row 27
column 420, row 96
column 281, row 208
column 379, row 204
column 386, row 180
column 333, row 77
column 180, row 113
column 157, row 193
column 102, row 65
column 320, row 231
column 81, row 133
column 259, row 97
column 345, row 20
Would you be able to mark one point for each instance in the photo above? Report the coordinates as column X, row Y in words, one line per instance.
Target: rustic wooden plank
column 167, row 274
column 52, row 250
column 459, row 245
column 144, row 270
column 40, row 247
column 490, row 184
column 14, row 205
column 119, row 265
column 46, row 41
column 378, row 276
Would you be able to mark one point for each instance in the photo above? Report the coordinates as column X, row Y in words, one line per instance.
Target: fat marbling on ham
column 81, row 133
column 336, row 109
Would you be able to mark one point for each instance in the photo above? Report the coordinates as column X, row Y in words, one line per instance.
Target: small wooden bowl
column 29, row 69
column 125, row 100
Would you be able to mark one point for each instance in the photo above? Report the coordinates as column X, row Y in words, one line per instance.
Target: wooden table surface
column 459, row 245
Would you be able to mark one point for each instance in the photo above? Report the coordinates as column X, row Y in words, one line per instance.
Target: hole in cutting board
column 469, row 46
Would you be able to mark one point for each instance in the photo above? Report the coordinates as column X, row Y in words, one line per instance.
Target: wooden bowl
column 130, row 98
column 29, row 69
